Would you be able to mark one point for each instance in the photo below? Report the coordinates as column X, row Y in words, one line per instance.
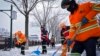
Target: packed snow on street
column 29, row 52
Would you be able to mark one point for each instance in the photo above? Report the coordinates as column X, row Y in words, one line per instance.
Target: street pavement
column 28, row 52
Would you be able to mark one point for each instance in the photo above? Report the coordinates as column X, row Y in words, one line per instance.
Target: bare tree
column 24, row 7
column 54, row 22
column 44, row 15
column 53, row 26
column 50, row 15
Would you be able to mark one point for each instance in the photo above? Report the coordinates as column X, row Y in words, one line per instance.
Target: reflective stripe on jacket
column 20, row 38
column 91, row 29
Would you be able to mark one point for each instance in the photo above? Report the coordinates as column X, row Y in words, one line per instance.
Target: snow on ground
column 16, row 51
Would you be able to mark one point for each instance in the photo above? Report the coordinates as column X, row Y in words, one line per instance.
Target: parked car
column 4, row 42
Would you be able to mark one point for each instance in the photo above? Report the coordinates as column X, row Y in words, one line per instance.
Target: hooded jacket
column 89, row 30
column 20, row 37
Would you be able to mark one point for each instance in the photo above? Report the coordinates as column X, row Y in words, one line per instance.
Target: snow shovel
column 73, row 38
column 73, row 54
column 58, row 49
column 37, row 52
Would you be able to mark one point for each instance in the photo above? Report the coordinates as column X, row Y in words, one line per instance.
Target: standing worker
column 52, row 41
column 64, row 35
column 44, row 38
column 20, row 41
column 84, row 15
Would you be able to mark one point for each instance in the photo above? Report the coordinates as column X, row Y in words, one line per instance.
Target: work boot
column 45, row 51
column 22, row 52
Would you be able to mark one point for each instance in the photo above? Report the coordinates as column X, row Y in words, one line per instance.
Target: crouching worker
column 20, row 41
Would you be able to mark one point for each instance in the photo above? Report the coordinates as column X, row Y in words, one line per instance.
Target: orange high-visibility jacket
column 20, row 38
column 91, row 29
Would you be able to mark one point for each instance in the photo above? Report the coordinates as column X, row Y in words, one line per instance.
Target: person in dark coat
column 44, row 39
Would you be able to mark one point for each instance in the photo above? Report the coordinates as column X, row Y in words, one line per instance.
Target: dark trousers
column 44, row 48
column 53, row 44
column 89, row 46
column 23, row 48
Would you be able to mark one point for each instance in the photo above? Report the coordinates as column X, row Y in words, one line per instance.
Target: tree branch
column 17, row 7
column 33, row 5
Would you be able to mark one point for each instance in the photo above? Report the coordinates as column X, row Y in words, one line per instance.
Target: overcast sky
column 18, row 24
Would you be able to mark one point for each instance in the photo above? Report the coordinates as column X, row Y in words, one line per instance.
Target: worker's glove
column 84, row 21
column 69, row 42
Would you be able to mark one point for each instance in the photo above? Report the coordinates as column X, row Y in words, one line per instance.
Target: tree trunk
column 26, row 29
column 26, row 26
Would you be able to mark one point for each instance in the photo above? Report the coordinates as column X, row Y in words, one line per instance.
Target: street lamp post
column 11, row 28
column 11, row 43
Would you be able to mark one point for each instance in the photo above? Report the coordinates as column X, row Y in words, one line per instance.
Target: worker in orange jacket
column 20, row 41
column 84, row 25
column 64, row 34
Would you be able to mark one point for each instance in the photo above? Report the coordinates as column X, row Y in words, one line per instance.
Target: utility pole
column 11, row 20
column 11, row 27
